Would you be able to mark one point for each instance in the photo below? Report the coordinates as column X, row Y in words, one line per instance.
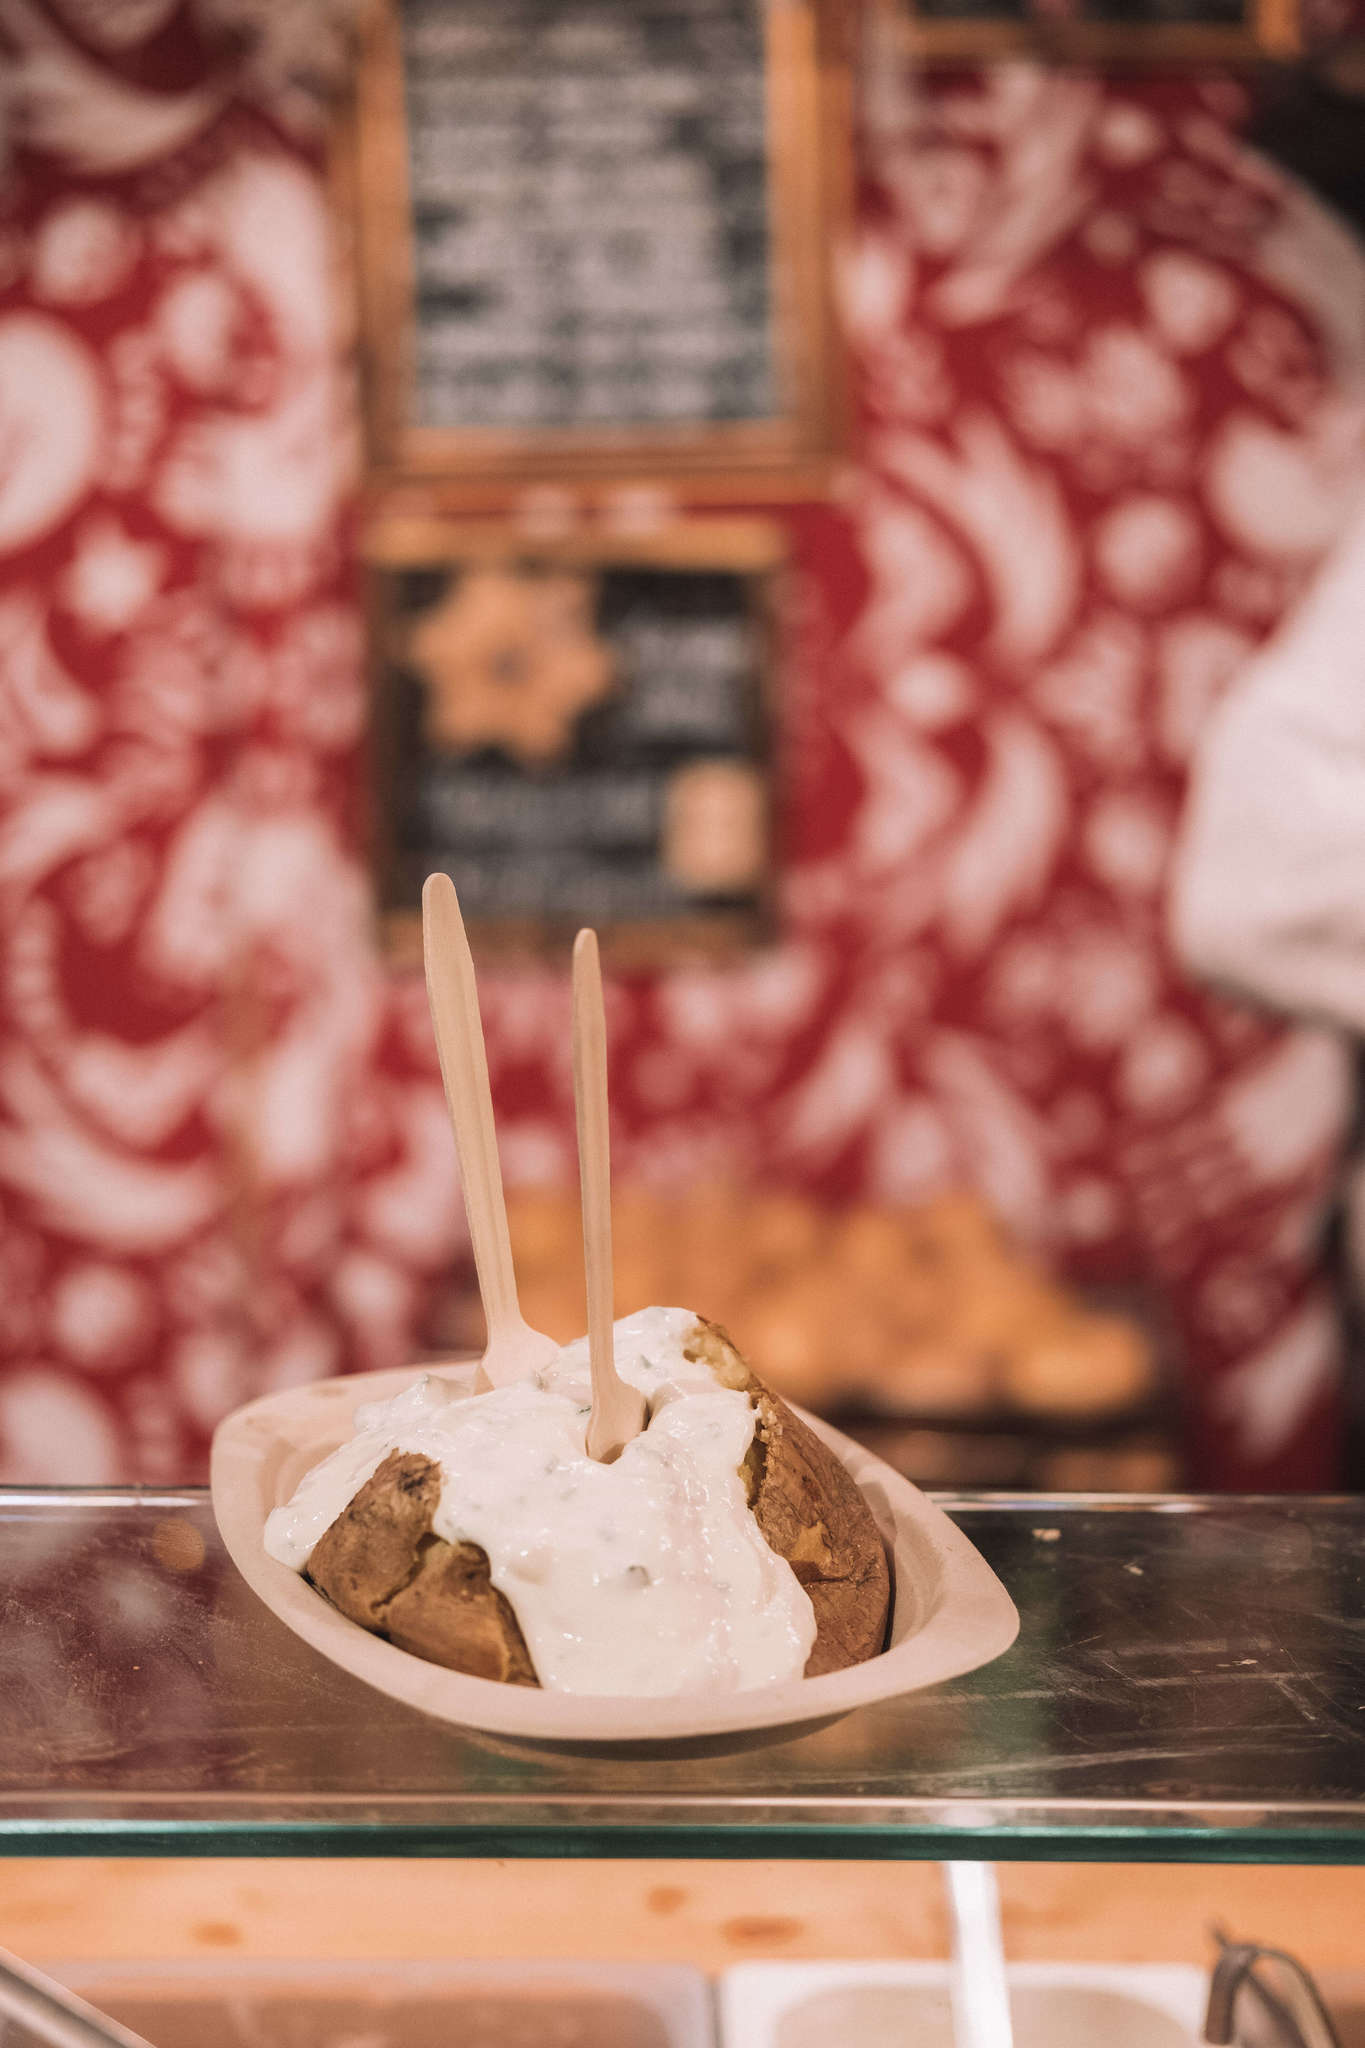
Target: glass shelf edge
column 1067, row 1844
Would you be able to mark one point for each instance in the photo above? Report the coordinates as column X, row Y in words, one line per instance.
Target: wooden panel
column 708, row 1914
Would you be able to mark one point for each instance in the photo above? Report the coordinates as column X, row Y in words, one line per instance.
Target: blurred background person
column 1268, row 896
column 1268, row 892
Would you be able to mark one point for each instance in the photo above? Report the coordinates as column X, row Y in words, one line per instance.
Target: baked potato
column 381, row 1565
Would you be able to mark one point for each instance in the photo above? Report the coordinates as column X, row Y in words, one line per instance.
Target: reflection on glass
column 1191, row 1681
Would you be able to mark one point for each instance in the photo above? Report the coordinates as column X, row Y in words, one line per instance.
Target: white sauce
column 648, row 1576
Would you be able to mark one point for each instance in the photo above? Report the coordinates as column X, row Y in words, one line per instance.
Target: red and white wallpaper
column 1109, row 369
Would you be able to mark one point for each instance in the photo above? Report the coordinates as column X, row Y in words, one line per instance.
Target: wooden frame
column 1270, row 31
column 808, row 120
column 751, row 548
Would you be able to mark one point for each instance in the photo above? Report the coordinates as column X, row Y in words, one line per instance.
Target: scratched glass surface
column 1189, row 1683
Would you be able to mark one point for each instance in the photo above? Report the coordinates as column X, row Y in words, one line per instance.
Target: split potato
column 383, row 1567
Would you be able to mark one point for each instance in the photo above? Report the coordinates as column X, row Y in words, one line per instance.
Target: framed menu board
column 594, row 235
column 1140, row 31
column 576, row 733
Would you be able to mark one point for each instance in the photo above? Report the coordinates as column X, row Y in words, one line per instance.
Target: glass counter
column 1188, row 1684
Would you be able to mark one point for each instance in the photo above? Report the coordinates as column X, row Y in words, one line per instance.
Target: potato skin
column 813, row 1514
column 381, row 1565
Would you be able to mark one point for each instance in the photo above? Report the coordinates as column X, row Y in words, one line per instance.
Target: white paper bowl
column 950, row 1613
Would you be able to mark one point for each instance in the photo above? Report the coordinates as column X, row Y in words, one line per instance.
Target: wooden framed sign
column 1099, row 31
column 577, row 733
column 595, row 238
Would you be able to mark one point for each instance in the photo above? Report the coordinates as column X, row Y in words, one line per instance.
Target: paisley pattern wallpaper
column 1109, row 370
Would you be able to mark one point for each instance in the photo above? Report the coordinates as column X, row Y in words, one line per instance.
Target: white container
column 909, row 2005
column 250, row 2004
column 950, row 1614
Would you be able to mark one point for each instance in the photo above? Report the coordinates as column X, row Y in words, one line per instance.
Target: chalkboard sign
column 1159, row 31
column 596, row 233
column 578, row 736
